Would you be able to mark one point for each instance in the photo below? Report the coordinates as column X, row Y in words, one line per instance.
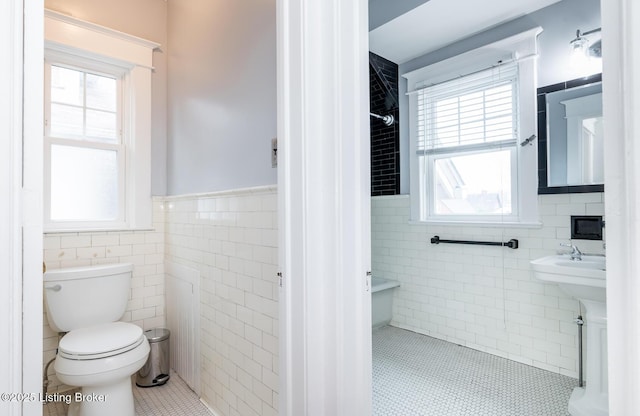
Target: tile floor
column 413, row 375
column 417, row 375
column 172, row 399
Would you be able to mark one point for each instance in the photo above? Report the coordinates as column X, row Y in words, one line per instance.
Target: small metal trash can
column 155, row 371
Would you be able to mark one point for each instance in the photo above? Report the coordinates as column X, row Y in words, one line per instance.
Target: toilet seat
column 100, row 341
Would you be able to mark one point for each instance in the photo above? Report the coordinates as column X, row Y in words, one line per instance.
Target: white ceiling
column 438, row 23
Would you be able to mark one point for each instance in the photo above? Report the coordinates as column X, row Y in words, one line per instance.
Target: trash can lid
column 157, row 334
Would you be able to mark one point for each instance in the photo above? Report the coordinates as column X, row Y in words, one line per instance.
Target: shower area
column 470, row 332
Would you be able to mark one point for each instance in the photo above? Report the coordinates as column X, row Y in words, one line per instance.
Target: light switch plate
column 274, row 152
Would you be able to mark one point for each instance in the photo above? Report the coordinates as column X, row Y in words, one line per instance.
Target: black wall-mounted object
column 513, row 243
column 586, row 227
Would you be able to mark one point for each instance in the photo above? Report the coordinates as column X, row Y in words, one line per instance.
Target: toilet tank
column 84, row 296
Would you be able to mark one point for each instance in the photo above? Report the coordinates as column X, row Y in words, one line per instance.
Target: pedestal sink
column 584, row 280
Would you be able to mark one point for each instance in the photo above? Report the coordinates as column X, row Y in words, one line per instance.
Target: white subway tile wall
column 484, row 297
column 481, row 297
column 231, row 239
column 145, row 249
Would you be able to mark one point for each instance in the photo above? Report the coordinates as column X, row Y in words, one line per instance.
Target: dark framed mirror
column 570, row 139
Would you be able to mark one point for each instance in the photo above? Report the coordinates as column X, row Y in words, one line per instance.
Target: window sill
column 506, row 224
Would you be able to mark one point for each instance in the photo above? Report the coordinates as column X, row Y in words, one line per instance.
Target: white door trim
column 324, row 208
column 10, row 189
column 621, row 102
column 32, row 203
column 21, row 43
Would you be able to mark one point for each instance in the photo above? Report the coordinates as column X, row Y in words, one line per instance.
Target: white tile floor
column 413, row 375
column 172, row 399
column 416, row 375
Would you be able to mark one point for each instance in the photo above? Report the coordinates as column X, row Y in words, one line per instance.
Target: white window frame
column 95, row 48
column 520, row 48
column 97, row 68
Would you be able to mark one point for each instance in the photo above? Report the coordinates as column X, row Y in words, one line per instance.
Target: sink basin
column 583, row 279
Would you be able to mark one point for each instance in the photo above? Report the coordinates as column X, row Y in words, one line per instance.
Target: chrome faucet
column 575, row 254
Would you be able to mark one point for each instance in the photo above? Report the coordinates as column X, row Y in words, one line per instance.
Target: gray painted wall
column 382, row 11
column 559, row 22
column 221, row 94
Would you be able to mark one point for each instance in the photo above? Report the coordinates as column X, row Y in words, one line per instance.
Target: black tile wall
column 385, row 140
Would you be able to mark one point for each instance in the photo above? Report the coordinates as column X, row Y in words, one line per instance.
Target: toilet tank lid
column 87, row 271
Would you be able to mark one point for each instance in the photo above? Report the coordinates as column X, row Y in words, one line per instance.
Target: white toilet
column 98, row 353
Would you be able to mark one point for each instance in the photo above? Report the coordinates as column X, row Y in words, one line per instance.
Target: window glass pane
column 101, row 125
column 84, row 184
column 83, row 106
column 66, row 121
column 101, row 92
column 473, row 184
column 66, row 86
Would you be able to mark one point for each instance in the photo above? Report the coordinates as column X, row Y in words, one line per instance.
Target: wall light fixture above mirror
column 570, row 139
column 582, row 44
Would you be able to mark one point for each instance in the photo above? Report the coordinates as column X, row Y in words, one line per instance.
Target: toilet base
column 105, row 400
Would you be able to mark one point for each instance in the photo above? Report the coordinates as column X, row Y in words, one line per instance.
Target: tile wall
column 145, row 249
column 480, row 296
column 231, row 239
column 385, row 140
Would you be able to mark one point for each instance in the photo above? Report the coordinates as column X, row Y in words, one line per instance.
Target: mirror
column 570, row 137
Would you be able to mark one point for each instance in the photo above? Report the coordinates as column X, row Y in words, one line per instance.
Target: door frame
column 21, row 24
column 621, row 104
column 324, row 208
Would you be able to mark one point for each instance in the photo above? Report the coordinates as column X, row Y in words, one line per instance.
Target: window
column 468, row 117
column 97, row 138
column 84, row 149
column 467, row 131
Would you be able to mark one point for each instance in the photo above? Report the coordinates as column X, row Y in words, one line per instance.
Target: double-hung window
column 469, row 115
column 466, row 149
column 84, row 148
column 97, row 138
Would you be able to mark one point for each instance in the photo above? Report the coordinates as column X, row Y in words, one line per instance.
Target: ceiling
column 438, row 23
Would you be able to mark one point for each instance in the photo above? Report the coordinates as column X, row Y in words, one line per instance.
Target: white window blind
column 470, row 112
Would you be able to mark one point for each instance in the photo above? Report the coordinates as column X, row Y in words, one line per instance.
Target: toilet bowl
column 96, row 354
column 101, row 359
